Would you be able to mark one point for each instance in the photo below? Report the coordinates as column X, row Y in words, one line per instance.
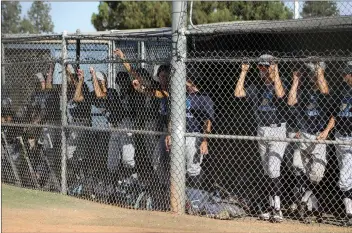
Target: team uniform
column 313, row 116
column 343, row 133
column 199, row 108
column 270, row 112
column 122, row 149
column 102, row 115
column 78, row 114
column 157, row 120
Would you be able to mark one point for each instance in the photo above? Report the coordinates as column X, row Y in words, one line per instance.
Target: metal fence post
column 296, row 9
column 63, row 117
column 178, row 107
column 142, row 53
column 2, row 66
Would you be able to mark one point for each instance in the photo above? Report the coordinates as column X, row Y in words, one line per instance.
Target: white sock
column 277, row 203
column 306, row 196
column 135, row 175
column 315, row 203
column 271, row 201
column 348, row 205
column 309, row 204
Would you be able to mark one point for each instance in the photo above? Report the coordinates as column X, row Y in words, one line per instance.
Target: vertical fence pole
column 142, row 53
column 178, row 107
column 63, row 116
column 296, row 8
column 111, row 82
column 2, row 66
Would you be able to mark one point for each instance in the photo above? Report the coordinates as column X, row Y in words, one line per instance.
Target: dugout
column 215, row 53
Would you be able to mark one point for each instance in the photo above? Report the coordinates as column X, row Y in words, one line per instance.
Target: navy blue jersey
column 313, row 110
column 268, row 108
column 343, row 109
column 199, row 108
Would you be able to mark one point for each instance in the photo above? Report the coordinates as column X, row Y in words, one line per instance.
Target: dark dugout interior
column 235, row 164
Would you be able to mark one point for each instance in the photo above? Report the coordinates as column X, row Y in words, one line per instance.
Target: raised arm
column 321, row 81
column 292, row 96
column 49, row 77
column 275, row 77
column 100, row 92
column 239, row 90
column 119, row 53
column 70, row 74
column 78, row 96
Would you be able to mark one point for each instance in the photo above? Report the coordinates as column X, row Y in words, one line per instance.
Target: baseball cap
column 265, row 59
column 311, row 66
column 100, row 76
column 347, row 69
column 40, row 77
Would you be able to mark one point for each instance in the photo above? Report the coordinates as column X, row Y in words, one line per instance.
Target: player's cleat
column 266, row 215
column 277, row 216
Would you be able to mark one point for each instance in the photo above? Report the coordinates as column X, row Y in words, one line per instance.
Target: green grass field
column 26, row 210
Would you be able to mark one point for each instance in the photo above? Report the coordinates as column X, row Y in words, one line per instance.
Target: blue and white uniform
column 313, row 116
column 343, row 133
column 270, row 114
column 199, row 108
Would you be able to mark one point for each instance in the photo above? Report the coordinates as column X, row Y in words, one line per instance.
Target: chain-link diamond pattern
column 238, row 119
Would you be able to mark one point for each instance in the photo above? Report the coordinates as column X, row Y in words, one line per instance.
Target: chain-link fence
column 246, row 118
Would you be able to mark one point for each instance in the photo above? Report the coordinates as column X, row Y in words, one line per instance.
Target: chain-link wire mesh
column 245, row 118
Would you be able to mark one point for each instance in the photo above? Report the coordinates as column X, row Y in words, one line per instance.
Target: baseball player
column 199, row 117
column 343, row 133
column 103, row 101
column 155, row 112
column 311, row 98
column 122, row 115
column 268, row 98
column 78, row 114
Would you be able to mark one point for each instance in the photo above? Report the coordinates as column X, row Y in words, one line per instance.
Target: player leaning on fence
column 343, row 133
column 78, row 114
column 153, row 110
column 105, row 102
column 268, row 98
column 310, row 94
column 199, row 118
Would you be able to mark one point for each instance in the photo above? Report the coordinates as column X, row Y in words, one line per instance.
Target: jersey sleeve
column 208, row 106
